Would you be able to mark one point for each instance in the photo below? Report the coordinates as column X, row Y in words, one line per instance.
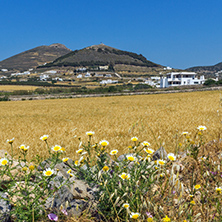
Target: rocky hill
column 102, row 55
column 34, row 57
column 208, row 70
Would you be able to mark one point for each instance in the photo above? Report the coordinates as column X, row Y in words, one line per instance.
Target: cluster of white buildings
column 109, row 81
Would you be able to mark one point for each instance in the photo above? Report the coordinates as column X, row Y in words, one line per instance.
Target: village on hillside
column 102, row 76
column 96, row 66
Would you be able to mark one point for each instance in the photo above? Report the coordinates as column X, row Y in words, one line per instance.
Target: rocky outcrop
column 5, row 208
column 160, row 154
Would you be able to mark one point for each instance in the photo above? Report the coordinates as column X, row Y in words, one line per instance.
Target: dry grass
column 11, row 88
column 115, row 119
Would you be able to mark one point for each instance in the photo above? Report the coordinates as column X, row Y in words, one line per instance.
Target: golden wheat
column 11, row 88
column 115, row 119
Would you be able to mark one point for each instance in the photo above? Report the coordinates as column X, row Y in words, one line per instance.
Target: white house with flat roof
column 180, row 79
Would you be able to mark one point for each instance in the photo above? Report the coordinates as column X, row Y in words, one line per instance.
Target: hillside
column 34, row 57
column 208, row 70
column 101, row 55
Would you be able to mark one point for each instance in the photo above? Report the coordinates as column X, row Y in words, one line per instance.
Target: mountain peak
column 59, row 46
column 35, row 57
column 103, row 55
column 99, row 46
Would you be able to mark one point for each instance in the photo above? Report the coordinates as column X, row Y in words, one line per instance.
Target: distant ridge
column 101, row 55
column 34, row 57
column 206, row 69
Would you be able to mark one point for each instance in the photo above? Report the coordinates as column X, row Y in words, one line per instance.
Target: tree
column 209, row 82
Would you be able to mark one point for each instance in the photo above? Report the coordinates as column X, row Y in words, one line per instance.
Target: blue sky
column 176, row 33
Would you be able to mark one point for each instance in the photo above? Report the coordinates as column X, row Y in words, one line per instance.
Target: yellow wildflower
column 79, row 151
column 90, row 133
column 126, row 205
column 105, row 168
column 113, row 152
column 192, row 202
column 104, row 143
column 56, row 148
column 44, row 137
column 48, row 172
column 197, row 187
column 94, row 146
column 166, row 219
column 171, row 156
column 218, row 189
column 134, row 215
column 145, row 143
column 134, row 139
column 149, row 151
column 31, row 167
column 24, row 169
column 69, row 171
column 62, row 149
column 10, row 141
column 201, row 128
column 161, row 162
column 23, row 147
column 130, row 157
column 125, row 176
column 76, row 163
column 3, row 161
column 65, row 159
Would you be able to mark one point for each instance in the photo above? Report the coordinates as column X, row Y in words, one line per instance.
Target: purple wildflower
column 149, row 214
column 53, row 217
column 64, row 211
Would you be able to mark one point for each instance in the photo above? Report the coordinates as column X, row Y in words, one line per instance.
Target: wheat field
column 11, row 88
column 115, row 119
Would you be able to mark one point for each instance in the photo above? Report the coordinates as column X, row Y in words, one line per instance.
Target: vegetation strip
column 63, row 96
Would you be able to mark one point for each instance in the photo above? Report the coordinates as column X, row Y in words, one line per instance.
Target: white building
column 82, row 69
column 103, row 67
column 50, row 72
column 43, row 77
column 99, row 75
column 181, row 79
column 87, row 75
column 109, row 81
column 150, row 82
column 79, row 76
column 58, row 79
column 155, row 78
column 167, row 68
column 163, row 82
column 26, row 73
